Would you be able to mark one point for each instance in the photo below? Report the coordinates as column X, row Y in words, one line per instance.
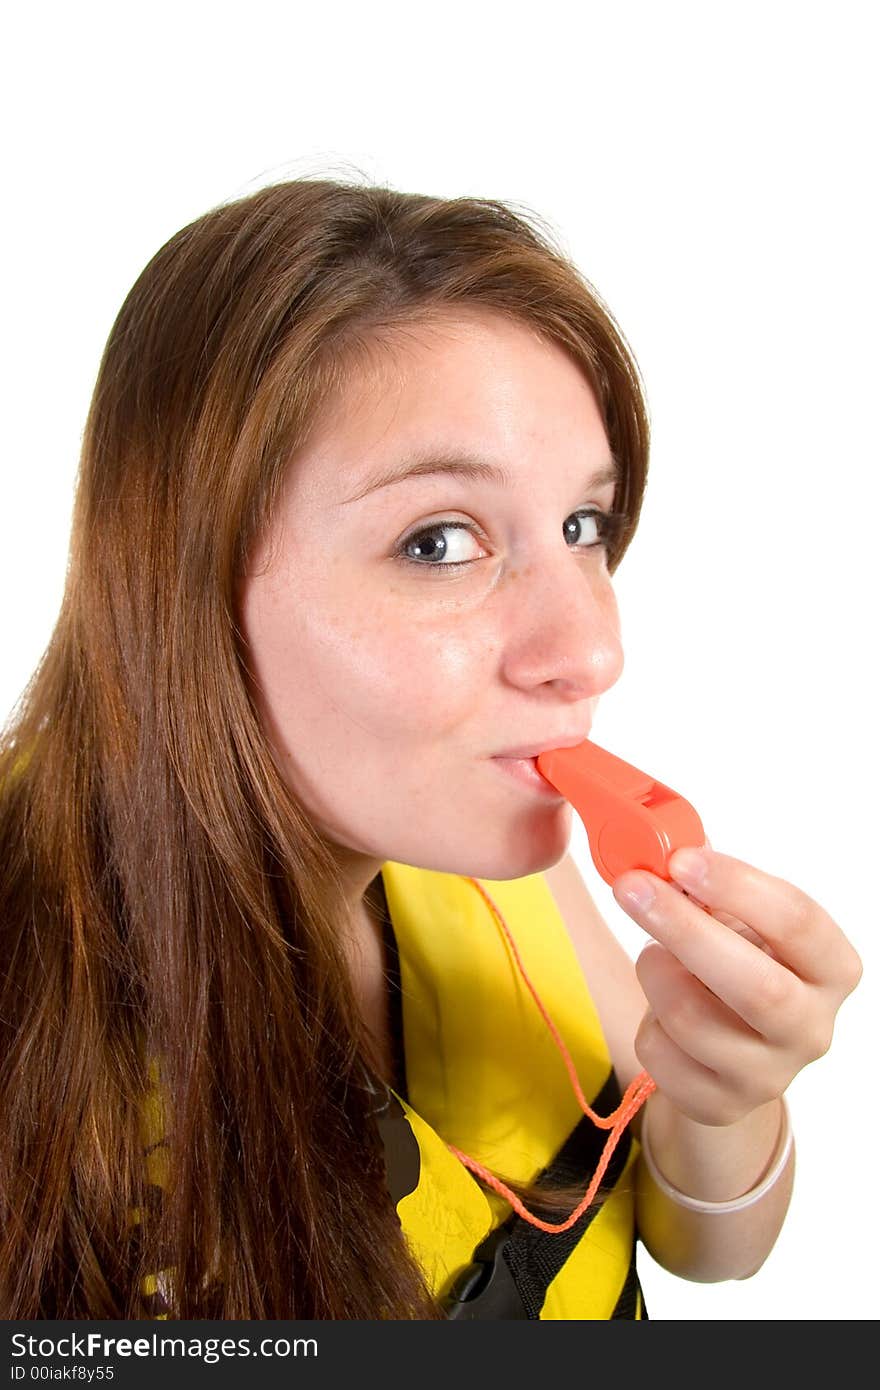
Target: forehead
column 473, row 378
column 472, row 383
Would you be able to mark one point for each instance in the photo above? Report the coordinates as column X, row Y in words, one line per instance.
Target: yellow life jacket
column 483, row 1072
column 478, row 1068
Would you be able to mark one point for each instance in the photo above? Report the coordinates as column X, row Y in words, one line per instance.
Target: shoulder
column 610, row 974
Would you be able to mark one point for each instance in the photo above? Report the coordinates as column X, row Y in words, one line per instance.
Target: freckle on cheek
column 507, row 578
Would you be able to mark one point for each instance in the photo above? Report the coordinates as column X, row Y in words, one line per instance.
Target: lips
column 525, row 771
column 531, row 750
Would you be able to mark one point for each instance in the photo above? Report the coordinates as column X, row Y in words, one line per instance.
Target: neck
column 368, row 966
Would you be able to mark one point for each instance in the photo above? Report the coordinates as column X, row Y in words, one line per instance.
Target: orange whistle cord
column 637, row 1092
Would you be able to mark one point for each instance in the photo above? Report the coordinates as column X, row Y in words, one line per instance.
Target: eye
column 431, row 549
column 607, row 526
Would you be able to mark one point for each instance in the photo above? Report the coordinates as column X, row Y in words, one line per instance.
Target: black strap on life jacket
column 516, row 1263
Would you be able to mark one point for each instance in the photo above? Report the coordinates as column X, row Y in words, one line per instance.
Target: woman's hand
column 744, row 991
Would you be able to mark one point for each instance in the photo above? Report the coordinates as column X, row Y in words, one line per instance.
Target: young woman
column 277, row 875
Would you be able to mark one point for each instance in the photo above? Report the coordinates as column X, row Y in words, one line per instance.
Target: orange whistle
column 631, row 820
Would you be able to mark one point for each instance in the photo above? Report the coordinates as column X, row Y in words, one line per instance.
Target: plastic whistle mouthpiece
column 631, row 820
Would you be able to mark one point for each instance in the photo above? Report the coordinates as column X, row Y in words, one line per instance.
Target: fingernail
column 638, row 893
column 688, row 866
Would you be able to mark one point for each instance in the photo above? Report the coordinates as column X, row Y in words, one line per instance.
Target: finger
column 727, row 919
column 796, row 928
column 703, row 1026
column 761, row 990
column 692, row 1088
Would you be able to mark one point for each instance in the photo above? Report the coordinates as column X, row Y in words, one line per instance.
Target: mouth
column 528, row 752
column 525, row 770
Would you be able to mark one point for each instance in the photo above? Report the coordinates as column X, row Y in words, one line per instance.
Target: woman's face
column 389, row 681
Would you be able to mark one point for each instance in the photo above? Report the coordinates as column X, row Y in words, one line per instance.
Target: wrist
column 708, row 1162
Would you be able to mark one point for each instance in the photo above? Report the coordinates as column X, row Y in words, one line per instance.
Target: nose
column 561, row 625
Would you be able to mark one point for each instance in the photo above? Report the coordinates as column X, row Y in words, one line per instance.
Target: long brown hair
column 164, row 900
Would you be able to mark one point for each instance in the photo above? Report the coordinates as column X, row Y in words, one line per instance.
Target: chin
column 519, row 854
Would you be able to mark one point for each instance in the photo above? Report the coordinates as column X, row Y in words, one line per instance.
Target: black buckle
column 486, row 1288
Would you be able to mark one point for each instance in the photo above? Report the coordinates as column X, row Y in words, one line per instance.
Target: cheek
column 353, row 670
column 394, row 670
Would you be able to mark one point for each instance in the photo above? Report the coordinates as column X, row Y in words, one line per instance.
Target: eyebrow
column 469, row 466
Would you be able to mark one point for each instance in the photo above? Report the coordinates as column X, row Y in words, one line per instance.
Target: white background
column 712, row 170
